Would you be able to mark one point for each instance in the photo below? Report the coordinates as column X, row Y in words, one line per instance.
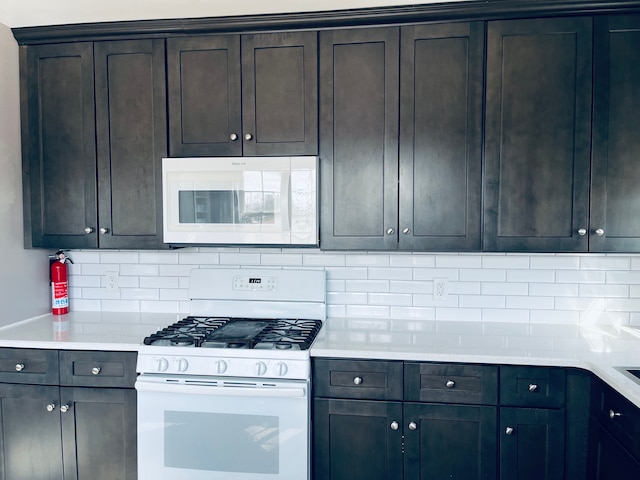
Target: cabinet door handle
column 509, row 430
column 582, row 232
column 391, row 231
column 394, row 425
column 413, row 426
column 450, row 384
column 599, row 232
column 51, row 407
column 88, row 230
column 406, row 230
column 248, row 136
column 233, row 137
column 104, row 231
column 96, row 370
column 533, row 387
column 357, row 380
column 613, row 414
column 64, row 408
column 19, row 367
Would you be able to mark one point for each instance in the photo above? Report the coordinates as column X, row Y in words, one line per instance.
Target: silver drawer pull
column 96, row 370
column 394, row 425
column 413, row 426
column 19, row 367
column 51, row 407
column 613, row 414
column 357, row 380
column 450, row 384
column 533, row 387
column 508, row 430
column 64, row 408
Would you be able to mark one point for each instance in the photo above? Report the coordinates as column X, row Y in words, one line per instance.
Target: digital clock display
column 255, row 280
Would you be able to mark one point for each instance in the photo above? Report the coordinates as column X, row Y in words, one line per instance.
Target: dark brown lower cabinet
column 67, row 433
column 532, row 444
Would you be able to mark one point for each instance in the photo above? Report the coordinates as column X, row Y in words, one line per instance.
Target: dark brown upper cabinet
column 538, row 131
column 401, row 133
column 94, row 139
column 233, row 95
column 615, row 202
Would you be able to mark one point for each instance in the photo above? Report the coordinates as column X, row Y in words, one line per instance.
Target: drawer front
column 620, row 418
column 451, row 383
column 25, row 365
column 360, row 379
column 97, row 369
column 532, row 386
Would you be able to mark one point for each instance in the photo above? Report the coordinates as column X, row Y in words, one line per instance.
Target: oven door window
column 225, row 442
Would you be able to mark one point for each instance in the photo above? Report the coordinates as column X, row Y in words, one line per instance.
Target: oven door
column 198, row 428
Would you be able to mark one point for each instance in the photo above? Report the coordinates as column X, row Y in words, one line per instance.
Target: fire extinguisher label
column 60, row 294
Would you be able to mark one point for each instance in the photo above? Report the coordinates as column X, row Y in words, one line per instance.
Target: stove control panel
column 255, row 283
column 224, row 366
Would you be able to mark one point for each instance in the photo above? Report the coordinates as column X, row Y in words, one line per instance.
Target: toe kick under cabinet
column 384, row 420
column 68, row 415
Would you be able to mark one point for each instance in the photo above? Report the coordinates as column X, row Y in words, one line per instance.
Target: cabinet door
column 357, row 440
column 30, row 445
column 538, row 127
column 99, row 433
column 441, row 83
column 450, row 441
column 280, row 94
column 615, row 205
column 204, row 96
column 531, row 444
column 611, row 460
column 59, row 145
column 131, row 131
column 359, row 74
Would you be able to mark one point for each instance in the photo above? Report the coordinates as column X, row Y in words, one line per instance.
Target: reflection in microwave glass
column 228, row 207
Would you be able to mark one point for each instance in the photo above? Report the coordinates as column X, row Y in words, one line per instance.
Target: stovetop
column 238, row 333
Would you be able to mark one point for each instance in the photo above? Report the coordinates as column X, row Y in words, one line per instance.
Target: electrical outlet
column 440, row 288
column 113, row 282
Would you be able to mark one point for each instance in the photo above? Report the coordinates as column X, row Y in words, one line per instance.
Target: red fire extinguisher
column 59, row 284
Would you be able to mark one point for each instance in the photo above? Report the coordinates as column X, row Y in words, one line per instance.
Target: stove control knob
column 260, row 368
column 281, row 369
column 182, row 365
column 220, row 366
column 163, row 364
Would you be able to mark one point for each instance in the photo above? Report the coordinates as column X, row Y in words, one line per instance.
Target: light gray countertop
column 594, row 347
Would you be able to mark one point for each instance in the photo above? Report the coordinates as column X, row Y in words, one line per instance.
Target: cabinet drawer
column 24, row 365
column 619, row 417
column 532, row 386
column 451, row 383
column 97, row 369
column 370, row 379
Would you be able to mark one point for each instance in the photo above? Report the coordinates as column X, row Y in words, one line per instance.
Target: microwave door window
column 208, row 206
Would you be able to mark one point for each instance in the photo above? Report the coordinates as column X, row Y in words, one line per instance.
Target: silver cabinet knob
column 533, row 387
column 394, row 425
column 248, row 136
column 582, row 232
column 413, row 426
column 51, row 407
column 104, row 231
column 613, row 414
column 64, row 408
column 88, row 230
column 233, row 137
column 19, row 367
column 357, row 380
column 599, row 232
column 390, row 231
column 96, row 370
column 406, row 230
column 509, row 430
column 450, row 384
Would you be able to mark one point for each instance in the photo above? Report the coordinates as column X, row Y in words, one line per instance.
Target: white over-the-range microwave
column 240, row 200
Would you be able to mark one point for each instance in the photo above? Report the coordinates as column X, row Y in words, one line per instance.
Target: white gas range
column 224, row 392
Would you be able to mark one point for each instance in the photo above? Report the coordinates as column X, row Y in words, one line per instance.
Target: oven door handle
column 215, row 390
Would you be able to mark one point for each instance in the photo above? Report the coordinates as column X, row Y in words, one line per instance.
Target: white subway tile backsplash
column 520, row 291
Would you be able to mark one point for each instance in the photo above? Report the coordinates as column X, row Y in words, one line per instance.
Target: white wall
column 24, row 280
column 516, row 288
